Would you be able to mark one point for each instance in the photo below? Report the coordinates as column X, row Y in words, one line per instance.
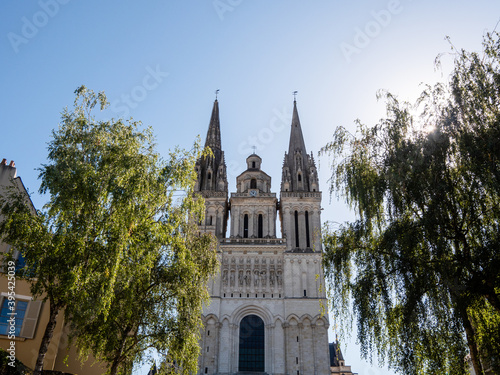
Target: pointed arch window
column 253, row 183
column 260, row 233
column 299, row 177
column 245, row 226
column 296, row 229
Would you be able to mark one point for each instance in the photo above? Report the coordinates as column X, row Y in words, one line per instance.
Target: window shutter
column 30, row 319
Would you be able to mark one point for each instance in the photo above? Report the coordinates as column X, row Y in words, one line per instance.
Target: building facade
column 267, row 312
column 22, row 337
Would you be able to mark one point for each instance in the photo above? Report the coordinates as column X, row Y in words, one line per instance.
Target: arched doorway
column 251, row 353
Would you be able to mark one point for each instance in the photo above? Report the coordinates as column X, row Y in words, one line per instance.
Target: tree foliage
column 116, row 246
column 421, row 262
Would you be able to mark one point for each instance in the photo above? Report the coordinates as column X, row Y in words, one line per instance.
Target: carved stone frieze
column 251, row 273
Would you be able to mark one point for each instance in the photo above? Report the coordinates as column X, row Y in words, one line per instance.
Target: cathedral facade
column 267, row 312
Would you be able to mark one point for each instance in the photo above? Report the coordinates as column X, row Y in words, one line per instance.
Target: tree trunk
column 114, row 367
column 471, row 341
column 118, row 354
column 47, row 336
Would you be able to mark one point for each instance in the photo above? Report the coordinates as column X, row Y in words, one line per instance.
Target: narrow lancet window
column 260, row 226
column 296, row 229
column 245, row 226
column 307, row 230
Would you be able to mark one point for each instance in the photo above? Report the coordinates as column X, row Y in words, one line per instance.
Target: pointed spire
column 213, row 135
column 299, row 169
column 296, row 137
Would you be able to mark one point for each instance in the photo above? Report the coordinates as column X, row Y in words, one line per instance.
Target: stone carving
column 240, row 278
column 232, row 278
column 271, row 278
column 224, row 278
column 249, row 272
column 279, row 278
column 248, row 277
column 256, row 277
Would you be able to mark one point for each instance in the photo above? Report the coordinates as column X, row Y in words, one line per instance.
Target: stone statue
column 256, row 278
column 232, row 278
column 240, row 278
column 224, row 278
column 279, row 278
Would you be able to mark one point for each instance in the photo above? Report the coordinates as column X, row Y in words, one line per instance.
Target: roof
column 335, row 354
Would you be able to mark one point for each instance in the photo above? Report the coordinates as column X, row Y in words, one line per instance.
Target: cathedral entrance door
column 251, row 353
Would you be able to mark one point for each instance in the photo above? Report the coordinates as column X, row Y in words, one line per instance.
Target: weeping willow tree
column 116, row 248
column 421, row 261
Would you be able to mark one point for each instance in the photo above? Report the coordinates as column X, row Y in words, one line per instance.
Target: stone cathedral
column 268, row 304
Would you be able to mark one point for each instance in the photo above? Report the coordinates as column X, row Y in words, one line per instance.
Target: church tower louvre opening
column 267, row 303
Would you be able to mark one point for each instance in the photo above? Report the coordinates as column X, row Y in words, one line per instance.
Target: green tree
column 421, row 261
column 158, row 305
column 115, row 244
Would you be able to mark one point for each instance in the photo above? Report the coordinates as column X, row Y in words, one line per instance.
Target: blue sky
column 161, row 61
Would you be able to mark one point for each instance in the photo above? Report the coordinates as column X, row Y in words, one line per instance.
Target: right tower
column 305, row 295
column 300, row 197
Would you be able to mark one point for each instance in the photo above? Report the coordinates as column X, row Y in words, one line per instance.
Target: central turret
column 253, row 206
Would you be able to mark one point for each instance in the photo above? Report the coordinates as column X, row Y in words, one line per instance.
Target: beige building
column 22, row 336
column 268, row 310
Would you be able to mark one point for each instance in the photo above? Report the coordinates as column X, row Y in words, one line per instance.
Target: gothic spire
column 296, row 138
column 213, row 134
column 211, row 169
column 211, row 182
column 299, row 169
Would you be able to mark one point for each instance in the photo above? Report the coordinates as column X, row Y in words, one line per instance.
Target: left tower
column 211, row 183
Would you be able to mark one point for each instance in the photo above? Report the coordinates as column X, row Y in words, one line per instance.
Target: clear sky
column 161, row 62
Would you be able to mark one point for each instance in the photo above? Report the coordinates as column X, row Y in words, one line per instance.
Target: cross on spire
column 254, row 148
